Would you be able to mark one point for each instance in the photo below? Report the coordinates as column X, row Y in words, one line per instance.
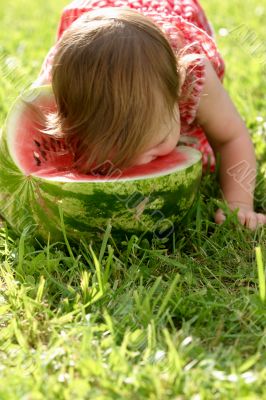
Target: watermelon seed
column 53, row 147
column 43, row 153
column 37, row 143
column 37, row 158
column 45, row 145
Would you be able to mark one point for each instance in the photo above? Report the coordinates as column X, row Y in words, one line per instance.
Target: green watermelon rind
column 138, row 205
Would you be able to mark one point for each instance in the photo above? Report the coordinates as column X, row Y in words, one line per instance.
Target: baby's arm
column 229, row 137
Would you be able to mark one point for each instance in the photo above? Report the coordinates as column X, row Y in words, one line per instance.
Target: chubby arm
column 228, row 136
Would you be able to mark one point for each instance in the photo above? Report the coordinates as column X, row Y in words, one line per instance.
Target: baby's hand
column 246, row 215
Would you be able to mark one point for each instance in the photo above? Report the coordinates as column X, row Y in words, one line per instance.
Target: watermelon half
column 39, row 190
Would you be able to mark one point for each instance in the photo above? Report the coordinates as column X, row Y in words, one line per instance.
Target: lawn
column 184, row 319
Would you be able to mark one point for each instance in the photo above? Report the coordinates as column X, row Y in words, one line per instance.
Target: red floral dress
column 182, row 20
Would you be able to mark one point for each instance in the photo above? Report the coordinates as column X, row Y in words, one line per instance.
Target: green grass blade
column 40, row 289
column 168, row 295
column 64, row 233
column 105, row 241
column 261, row 274
column 98, row 270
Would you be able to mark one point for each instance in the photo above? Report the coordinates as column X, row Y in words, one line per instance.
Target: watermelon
column 40, row 192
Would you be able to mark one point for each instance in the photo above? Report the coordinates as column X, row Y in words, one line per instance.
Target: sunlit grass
column 138, row 320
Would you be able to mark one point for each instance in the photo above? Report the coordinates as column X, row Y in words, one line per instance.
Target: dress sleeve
column 187, row 38
column 69, row 14
column 191, row 91
column 72, row 12
column 200, row 44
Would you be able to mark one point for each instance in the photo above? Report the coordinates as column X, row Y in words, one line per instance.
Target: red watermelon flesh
column 38, row 185
column 45, row 156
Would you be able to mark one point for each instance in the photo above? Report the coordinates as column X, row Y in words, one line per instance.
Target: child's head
column 116, row 83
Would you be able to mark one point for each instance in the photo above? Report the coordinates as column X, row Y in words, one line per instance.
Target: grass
column 139, row 320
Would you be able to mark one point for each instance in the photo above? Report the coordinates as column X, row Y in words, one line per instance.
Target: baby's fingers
column 253, row 220
column 261, row 219
column 219, row 216
column 242, row 218
column 250, row 219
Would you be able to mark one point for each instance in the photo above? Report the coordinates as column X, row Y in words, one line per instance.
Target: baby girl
column 132, row 78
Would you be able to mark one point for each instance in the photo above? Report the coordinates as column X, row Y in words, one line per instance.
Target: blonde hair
column 114, row 78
